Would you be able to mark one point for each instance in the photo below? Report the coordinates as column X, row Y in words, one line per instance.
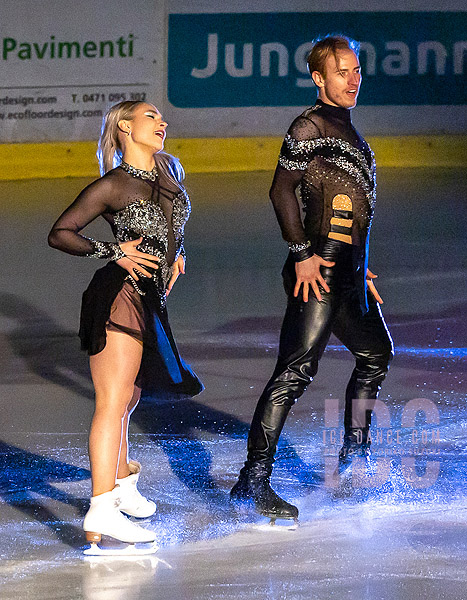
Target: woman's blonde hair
column 109, row 151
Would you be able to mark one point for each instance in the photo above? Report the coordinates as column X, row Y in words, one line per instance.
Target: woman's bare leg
column 123, row 469
column 113, row 372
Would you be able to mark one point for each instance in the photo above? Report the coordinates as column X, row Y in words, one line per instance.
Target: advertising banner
column 63, row 63
column 259, row 59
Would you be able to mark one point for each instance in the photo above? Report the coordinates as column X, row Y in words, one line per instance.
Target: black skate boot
column 356, row 444
column 253, row 485
column 353, row 466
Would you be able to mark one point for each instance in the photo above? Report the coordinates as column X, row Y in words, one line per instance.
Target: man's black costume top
column 334, row 168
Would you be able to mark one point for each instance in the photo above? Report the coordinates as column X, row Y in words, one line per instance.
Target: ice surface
column 395, row 541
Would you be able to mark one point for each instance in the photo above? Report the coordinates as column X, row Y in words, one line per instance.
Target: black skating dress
column 136, row 204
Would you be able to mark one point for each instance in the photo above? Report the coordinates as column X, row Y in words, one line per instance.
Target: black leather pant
column 305, row 332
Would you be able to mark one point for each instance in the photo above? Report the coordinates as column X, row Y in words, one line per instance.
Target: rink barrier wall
column 207, row 155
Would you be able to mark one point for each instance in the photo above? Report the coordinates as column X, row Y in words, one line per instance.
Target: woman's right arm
column 65, row 233
column 93, row 201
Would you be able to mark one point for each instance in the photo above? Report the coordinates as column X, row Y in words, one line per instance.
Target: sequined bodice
column 147, row 204
column 146, row 218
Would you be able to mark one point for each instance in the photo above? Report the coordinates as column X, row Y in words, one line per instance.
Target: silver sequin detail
column 135, row 285
column 299, row 247
column 143, row 217
column 180, row 215
column 109, row 250
column 147, row 219
column 361, row 173
column 118, row 253
column 292, row 165
column 140, row 173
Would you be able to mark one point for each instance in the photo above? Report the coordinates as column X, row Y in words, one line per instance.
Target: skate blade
column 121, row 550
column 113, row 563
column 274, row 526
column 136, row 519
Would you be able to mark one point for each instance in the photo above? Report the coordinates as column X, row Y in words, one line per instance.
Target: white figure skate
column 131, row 501
column 105, row 519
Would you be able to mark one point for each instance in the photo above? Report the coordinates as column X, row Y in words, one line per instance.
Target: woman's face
column 146, row 127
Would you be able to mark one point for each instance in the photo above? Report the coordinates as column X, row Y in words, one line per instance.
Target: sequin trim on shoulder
column 292, row 165
column 297, row 154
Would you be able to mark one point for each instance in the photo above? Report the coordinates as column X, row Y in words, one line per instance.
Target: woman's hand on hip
column 134, row 261
column 178, row 269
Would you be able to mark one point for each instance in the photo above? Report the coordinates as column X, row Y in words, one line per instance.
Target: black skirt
column 162, row 370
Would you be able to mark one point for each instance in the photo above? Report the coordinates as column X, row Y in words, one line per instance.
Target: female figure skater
column 124, row 325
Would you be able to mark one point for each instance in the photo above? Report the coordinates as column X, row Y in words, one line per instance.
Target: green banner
column 259, row 59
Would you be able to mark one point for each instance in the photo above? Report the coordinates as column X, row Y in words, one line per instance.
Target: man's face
column 341, row 84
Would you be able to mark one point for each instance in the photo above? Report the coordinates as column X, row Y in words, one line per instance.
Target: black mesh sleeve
column 288, row 175
column 295, row 155
column 93, row 201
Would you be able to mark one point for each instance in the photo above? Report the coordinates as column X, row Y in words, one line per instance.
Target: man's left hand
column 371, row 286
column 178, row 268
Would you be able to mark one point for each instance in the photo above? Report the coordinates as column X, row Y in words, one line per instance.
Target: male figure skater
column 326, row 158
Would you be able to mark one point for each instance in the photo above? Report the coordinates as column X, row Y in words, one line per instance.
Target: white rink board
column 64, row 62
column 274, row 120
